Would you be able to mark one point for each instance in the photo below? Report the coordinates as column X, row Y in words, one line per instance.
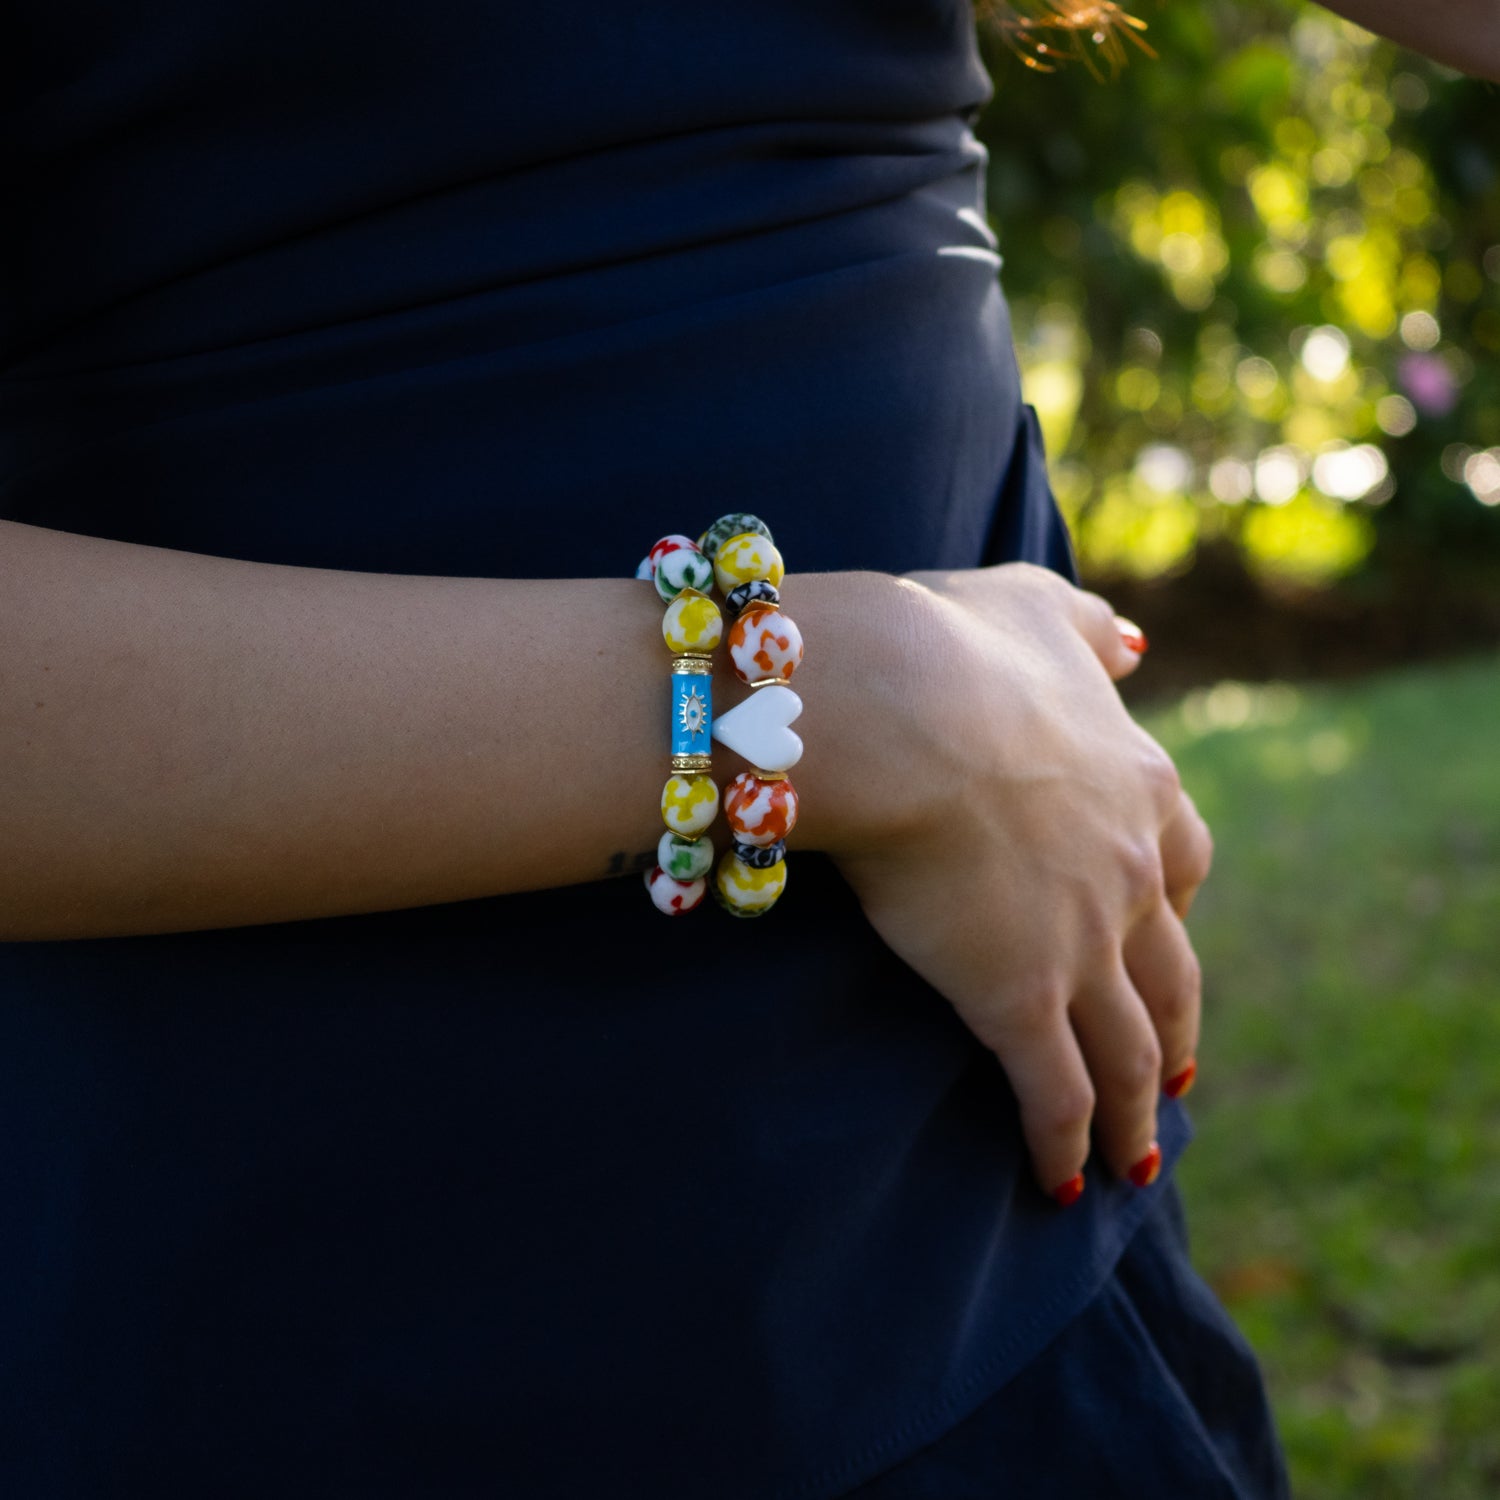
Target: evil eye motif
column 744, row 558
column 683, row 568
column 764, row 643
column 760, row 811
column 674, row 896
column 688, row 804
column 692, row 715
column 757, row 591
column 727, row 526
column 685, row 859
column 758, row 859
column 745, row 891
column 692, row 622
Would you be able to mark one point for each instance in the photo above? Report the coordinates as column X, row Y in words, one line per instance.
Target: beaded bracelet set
column 738, row 554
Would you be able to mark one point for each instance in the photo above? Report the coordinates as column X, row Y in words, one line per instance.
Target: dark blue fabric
column 463, row 1200
column 1151, row 1391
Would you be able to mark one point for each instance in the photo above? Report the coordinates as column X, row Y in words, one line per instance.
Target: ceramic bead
column 692, row 622
column 744, row 558
column 731, row 525
column 759, row 729
column 683, row 568
column 763, row 643
column 760, row 811
column 745, row 891
column 685, row 859
column 760, row 859
column 692, row 712
column 757, row 591
column 673, row 543
column 688, row 804
column 674, row 896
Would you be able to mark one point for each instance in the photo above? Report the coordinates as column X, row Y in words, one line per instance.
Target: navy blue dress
column 459, row 1201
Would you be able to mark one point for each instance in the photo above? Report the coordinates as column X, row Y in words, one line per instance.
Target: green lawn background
column 1344, row 1188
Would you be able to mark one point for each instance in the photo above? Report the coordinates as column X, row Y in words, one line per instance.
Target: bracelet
column 765, row 647
column 691, row 627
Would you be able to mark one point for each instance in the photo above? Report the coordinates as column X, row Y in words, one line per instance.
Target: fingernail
column 1132, row 634
column 1144, row 1172
column 1070, row 1192
column 1179, row 1083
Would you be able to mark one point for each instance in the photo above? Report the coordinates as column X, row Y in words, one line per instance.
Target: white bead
column 757, row 729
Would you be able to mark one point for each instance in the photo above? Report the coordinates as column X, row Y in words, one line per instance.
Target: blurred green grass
column 1344, row 1188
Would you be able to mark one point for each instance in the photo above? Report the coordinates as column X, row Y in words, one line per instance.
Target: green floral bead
column 685, row 859
column 728, row 526
column 683, row 569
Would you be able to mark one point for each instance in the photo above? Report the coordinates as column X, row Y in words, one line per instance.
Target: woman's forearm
column 191, row 741
column 1464, row 34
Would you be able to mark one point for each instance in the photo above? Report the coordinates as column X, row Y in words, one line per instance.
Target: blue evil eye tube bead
column 692, row 706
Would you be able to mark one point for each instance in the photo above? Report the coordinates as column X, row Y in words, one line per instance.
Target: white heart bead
column 757, row 729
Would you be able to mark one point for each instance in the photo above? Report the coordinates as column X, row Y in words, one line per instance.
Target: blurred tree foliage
column 1256, row 290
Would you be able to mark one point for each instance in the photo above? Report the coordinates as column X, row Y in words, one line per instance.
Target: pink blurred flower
column 1429, row 382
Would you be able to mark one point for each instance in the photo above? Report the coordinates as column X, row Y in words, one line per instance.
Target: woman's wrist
column 863, row 632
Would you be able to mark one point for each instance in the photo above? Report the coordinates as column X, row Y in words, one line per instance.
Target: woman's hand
column 1026, row 847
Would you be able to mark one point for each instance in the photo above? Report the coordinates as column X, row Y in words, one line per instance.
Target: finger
column 1039, row 1052
column 1117, row 642
column 1187, row 853
column 1166, row 974
column 1119, row 1045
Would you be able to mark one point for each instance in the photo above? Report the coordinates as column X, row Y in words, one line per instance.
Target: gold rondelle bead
column 693, row 666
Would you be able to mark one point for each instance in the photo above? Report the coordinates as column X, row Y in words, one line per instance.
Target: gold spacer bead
column 693, row 666
column 692, row 765
column 769, row 682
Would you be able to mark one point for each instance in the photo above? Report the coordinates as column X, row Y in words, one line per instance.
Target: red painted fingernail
column 1070, row 1192
column 1143, row 1173
column 1132, row 634
column 1179, row 1083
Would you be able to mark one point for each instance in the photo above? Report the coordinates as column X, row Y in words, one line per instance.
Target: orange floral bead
column 764, row 643
column 760, row 810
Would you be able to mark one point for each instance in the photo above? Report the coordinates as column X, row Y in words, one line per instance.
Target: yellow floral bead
column 689, row 804
column 745, row 891
column 746, row 557
column 692, row 622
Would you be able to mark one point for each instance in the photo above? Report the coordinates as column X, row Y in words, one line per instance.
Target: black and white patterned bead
column 757, row 591
column 758, row 858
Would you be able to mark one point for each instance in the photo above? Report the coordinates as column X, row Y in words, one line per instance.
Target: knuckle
column 1103, row 611
column 1034, row 1006
column 1098, row 938
column 1172, row 1008
column 1180, row 1001
column 1141, row 1069
column 1029, row 575
column 1192, row 983
column 1142, row 872
column 1162, row 775
column 1067, row 1111
column 1205, row 861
